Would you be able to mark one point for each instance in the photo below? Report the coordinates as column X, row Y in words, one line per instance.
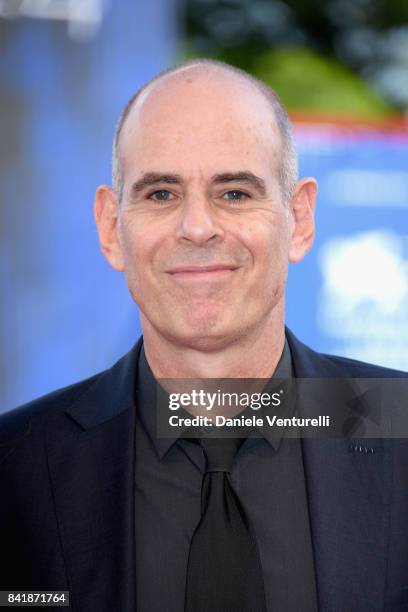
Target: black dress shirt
column 268, row 477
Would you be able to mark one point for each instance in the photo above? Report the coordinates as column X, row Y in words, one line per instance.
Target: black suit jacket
column 67, row 497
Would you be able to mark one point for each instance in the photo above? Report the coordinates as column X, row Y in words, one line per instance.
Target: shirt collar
column 146, row 386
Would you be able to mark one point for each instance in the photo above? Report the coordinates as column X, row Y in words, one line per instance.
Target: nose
column 198, row 222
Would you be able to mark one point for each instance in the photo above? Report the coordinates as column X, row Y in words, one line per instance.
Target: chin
column 205, row 335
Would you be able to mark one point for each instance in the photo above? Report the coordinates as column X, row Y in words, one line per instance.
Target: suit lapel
column 348, row 485
column 91, row 463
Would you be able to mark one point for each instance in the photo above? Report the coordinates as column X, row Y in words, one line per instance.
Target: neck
column 252, row 355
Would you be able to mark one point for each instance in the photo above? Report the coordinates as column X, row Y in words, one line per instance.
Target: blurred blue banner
column 350, row 295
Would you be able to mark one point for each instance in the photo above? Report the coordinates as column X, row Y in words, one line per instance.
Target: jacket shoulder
column 312, row 364
column 17, row 423
column 360, row 369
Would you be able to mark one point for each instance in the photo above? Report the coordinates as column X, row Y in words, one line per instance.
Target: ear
column 302, row 204
column 106, row 213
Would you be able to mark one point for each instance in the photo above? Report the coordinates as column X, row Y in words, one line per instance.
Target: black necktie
column 224, row 572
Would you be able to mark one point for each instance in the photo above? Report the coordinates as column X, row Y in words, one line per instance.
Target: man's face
column 203, row 232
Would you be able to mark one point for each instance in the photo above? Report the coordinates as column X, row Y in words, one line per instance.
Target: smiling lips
column 202, row 272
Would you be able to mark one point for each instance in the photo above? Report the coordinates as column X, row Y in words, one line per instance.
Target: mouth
column 212, row 272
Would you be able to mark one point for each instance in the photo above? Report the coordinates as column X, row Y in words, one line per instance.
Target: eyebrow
column 153, row 178
column 241, row 177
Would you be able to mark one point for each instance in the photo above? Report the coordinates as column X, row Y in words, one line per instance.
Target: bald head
column 233, row 82
column 235, row 86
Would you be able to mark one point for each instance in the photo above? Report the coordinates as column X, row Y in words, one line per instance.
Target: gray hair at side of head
column 288, row 170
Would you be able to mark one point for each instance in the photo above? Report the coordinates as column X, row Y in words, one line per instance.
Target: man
column 204, row 215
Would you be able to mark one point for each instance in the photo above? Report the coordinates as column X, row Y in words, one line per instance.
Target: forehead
column 188, row 122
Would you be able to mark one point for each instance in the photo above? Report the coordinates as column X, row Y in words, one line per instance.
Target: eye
column 161, row 195
column 234, row 195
